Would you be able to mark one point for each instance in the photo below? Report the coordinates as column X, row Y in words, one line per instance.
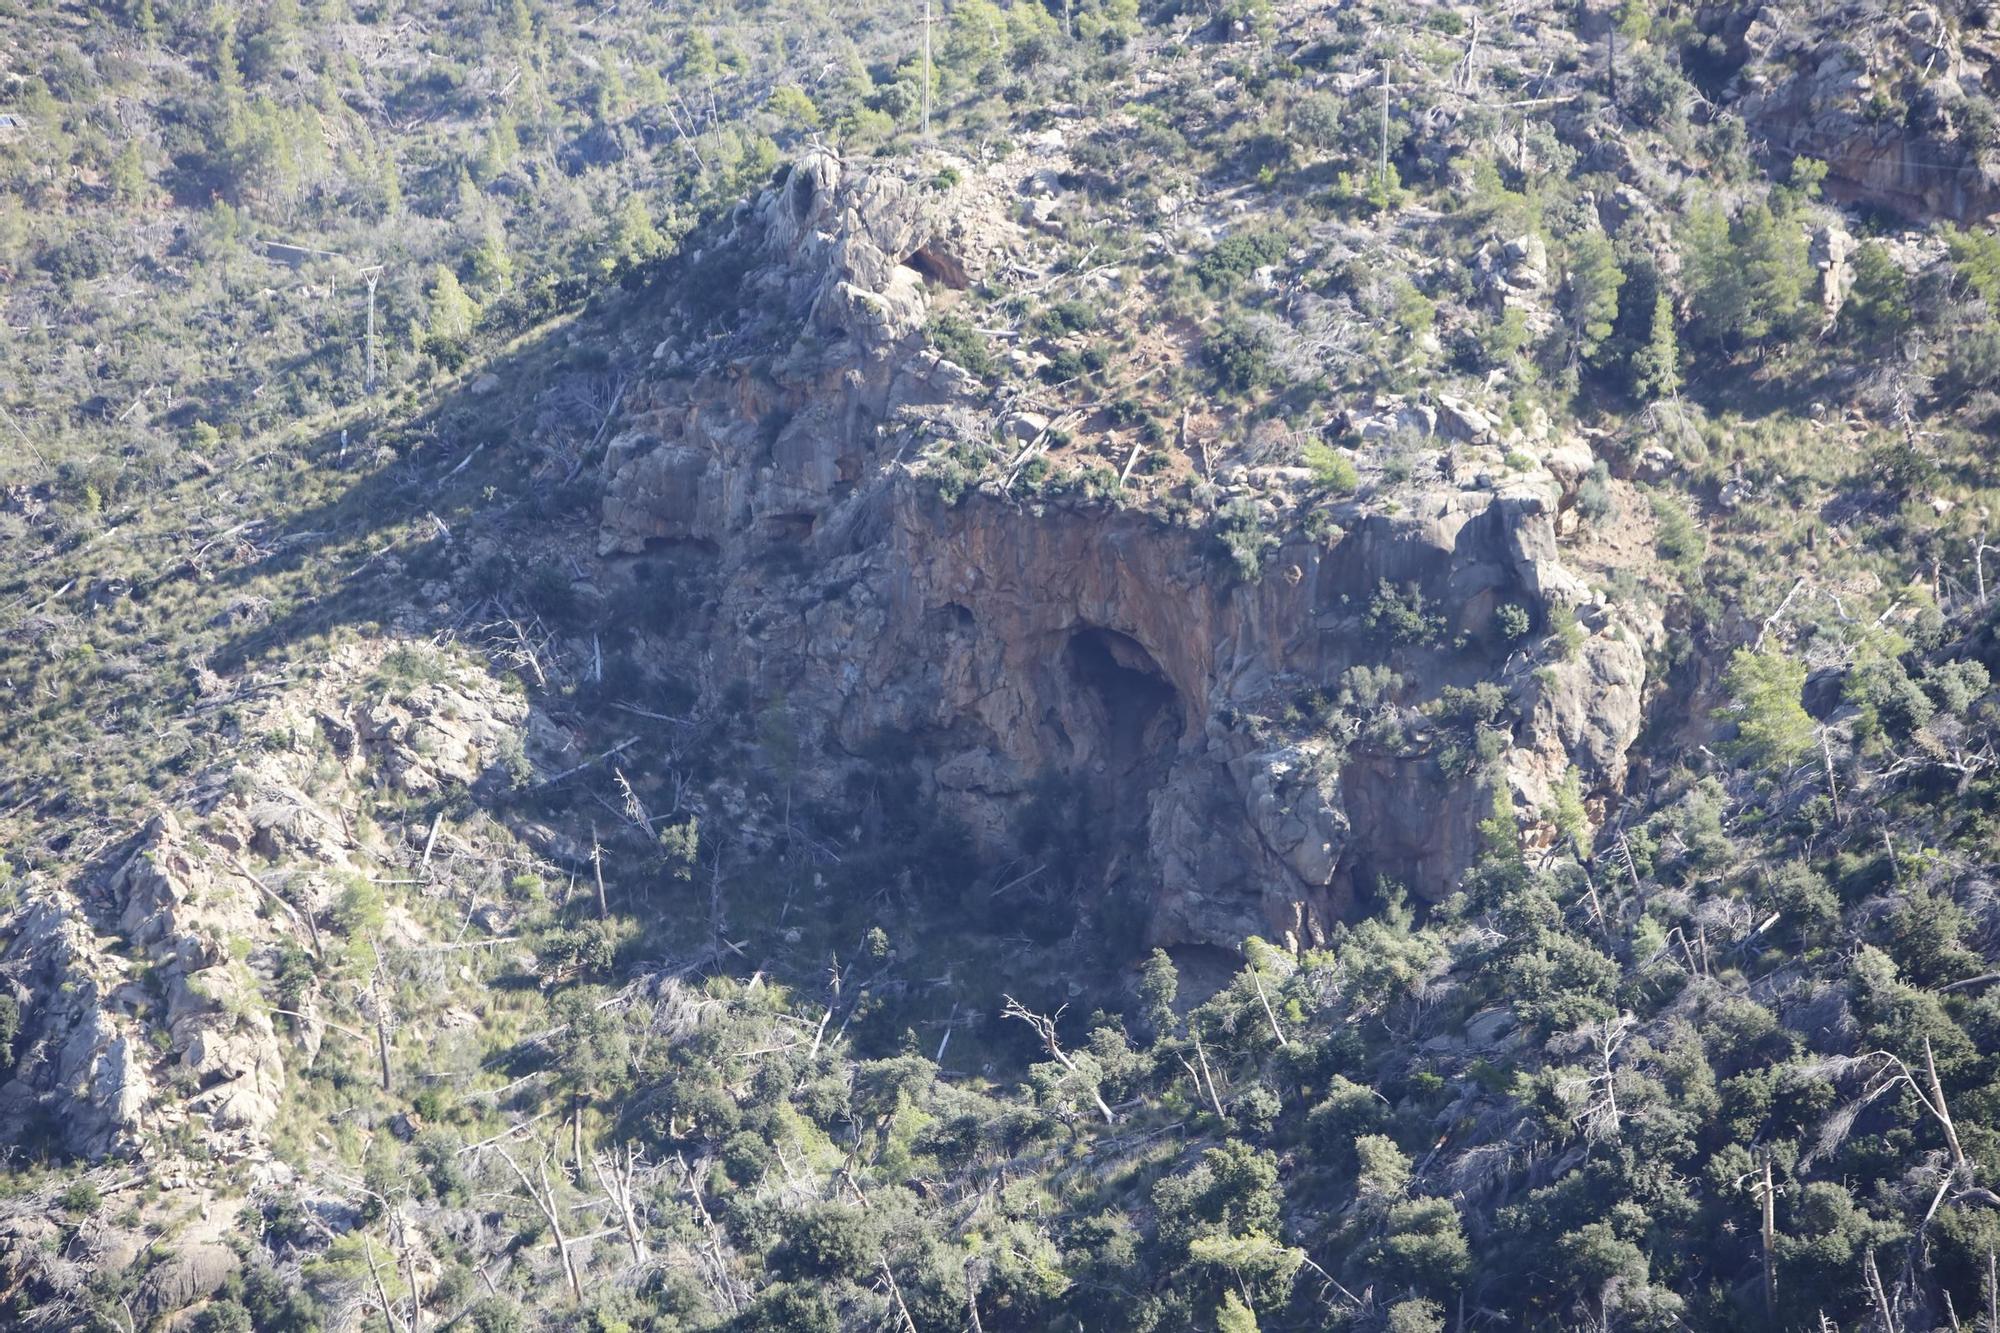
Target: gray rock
column 191, row 1274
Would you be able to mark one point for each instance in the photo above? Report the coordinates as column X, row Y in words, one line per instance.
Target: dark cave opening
column 939, row 265
column 1138, row 707
column 1134, row 720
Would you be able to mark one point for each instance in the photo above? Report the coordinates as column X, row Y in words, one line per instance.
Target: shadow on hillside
column 472, row 469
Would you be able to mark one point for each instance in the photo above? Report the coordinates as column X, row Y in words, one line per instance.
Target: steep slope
column 657, row 812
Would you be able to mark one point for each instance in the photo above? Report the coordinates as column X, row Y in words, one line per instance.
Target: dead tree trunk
column 545, row 1200
column 616, row 1181
column 381, row 1008
column 1045, row 1028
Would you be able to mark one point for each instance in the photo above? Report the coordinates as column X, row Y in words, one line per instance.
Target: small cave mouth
column 1139, row 708
column 939, row 265
column 804, row 194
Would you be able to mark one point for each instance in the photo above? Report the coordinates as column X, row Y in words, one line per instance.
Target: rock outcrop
column 143, row 987
column 867, row 582
column 1898, row 105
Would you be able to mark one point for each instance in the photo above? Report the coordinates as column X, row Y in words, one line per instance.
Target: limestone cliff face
column 1104, row 644
column 1896, row 102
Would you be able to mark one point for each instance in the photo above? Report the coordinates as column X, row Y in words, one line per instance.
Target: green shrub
column 1235, row 257
column 954, row 337
column 1244, row 538
column 1400, row 614
column 1331, row 469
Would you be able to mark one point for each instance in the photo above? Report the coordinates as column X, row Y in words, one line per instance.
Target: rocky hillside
column 1094, row 640
column 1277, row 666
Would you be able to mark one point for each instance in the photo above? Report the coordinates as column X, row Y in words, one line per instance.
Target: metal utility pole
column 1382, row 172
column 375, row 275
column 927, row 70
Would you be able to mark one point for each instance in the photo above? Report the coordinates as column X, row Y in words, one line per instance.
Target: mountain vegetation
column 438, row 888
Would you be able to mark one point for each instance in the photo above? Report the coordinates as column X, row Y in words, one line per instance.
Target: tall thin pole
column 1769, row 1236
column 368, row 382
column 927, row 69
column 1382, row 172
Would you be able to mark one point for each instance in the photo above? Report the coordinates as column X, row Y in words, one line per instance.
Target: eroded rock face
column 842, row 274
column 1107, row 645
column 1896, row 108
column 144, row 985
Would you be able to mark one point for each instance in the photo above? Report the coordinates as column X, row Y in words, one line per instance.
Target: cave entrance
column 939, row 265
column 1133, row 718
column 1137, row 708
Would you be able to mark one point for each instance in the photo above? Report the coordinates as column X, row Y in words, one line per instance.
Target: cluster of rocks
column 143, row 983
column 1900, row 109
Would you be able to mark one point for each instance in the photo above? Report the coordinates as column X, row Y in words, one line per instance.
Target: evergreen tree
column 1878, row 304
column 1656, row 365
column 452, row 312
column 1773, row 727
column 1715, row 282
column 633, row 238
column 129, row 184
column 1592, row 293
column 1235, row 1316
column 503, row 145
column 1777, row 273
column 1158, row 984
column 492, row 265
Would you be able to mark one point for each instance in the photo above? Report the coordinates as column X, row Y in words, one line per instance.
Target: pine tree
column 1715, row 282
column 452, row 312
column 492, row 265
column 520, row 22
column 1777, row 272
column 1594, row 280
column 1772, row 725
column 633, row 239
column 1878, row 304
column 128, row 176
column 228, row 74
column 1158, row 984
column 503, row 145
column 1234, row 1316
column 389, row 184
column 698, row 62
column 1656, row 366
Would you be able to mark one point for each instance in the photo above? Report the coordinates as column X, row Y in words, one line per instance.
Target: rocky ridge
column 143, row 986
column 1017, row 636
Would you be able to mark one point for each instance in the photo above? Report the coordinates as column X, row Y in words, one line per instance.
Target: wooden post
column 927, row 71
